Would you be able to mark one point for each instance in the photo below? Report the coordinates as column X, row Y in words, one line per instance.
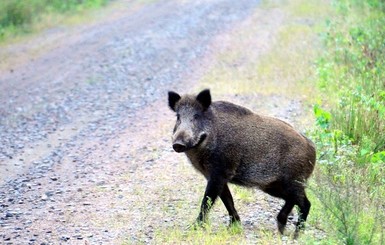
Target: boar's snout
column 179, row 147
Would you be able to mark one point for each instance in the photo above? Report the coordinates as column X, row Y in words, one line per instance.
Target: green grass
column 348, row 194
column 351, row 72
column 242, row 194
column 17, row 17
column 205, row 235
column 350, row 182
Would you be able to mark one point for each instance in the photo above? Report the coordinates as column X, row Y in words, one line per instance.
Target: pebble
column 101, row 183
column 65, row 238
column 49, row 193
column 78, row 237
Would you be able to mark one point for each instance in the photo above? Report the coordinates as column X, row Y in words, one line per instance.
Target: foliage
column 352, row 71
column 350, row 181
column 349, row 192
column 16, row 15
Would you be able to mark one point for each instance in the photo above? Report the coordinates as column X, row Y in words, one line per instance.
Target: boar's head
column 192, row 124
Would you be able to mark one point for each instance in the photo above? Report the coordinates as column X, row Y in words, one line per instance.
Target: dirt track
column 85, row 155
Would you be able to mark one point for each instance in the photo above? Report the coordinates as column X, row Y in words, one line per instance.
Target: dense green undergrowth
column 17, row 16
column 350, row 133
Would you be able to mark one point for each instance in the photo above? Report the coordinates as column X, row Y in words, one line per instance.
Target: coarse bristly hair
column 228, row 143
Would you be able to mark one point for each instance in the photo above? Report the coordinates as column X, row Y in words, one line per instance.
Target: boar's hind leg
column 227, row 200
column 292, row 196
column 282, row 216
column 304, row 208
column 297, row 197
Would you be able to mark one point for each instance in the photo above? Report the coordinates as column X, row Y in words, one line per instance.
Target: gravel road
column 85, row 156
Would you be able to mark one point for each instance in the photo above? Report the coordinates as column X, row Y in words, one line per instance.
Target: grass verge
column 350, row 184
column 18, row 17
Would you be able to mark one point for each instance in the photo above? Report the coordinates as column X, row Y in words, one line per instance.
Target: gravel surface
column 85, row 156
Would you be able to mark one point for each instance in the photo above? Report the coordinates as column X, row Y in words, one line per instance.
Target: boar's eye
column 197, row 116
column 177, row 117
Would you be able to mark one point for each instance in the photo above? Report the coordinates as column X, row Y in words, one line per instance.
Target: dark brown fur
column 229, row 143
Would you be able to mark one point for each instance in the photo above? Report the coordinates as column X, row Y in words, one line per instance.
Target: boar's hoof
column 281, row 228
column 178, row 147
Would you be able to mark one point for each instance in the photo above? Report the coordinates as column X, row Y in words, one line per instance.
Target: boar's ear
column 204, row 98
column 172, row 99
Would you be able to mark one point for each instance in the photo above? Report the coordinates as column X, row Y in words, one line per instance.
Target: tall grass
column 350, row 194
column 350, row 183
column 353, row 71
column 17, row 16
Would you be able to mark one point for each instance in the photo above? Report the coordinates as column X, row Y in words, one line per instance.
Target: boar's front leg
column 215, row 185
column 227, row 200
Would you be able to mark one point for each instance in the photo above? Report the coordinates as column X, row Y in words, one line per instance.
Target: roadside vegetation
column 18, row 17
column 350, row 118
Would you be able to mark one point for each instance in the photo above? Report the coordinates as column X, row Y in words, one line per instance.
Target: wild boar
column 228, row 143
